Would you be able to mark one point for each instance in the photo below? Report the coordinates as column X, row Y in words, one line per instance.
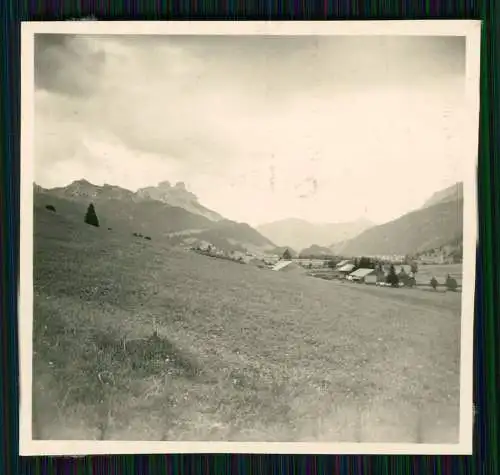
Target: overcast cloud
column 321, row 128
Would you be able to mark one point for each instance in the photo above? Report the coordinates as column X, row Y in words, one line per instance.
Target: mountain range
column 454, row 193
column 437, row 223
column 174, row 214
column 168, row 212
column 179, row 196
column 301, row 234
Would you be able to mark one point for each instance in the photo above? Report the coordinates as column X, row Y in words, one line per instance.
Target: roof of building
column 362, row 272
column 346, row 268
column 281, row 265
column 343, row 263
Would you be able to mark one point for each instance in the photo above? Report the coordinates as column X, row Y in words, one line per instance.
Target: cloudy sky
column 261, row 128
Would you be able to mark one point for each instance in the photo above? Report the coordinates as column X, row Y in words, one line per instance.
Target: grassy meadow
column 240, row 353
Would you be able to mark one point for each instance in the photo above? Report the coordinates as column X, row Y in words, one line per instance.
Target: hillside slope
column 417, row 231
column 315, row 251
column 453, row 193
column 179, row 196
column 134, row 212
column 240, row 353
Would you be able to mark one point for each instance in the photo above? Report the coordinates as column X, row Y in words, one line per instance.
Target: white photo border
column 470, row 29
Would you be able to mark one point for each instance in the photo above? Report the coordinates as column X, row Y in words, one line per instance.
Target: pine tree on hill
column 392, row 278
column 91, row 216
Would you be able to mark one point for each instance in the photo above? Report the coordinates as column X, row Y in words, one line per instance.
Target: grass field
column 241, row 353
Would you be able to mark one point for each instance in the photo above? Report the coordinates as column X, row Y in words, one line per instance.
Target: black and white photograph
column 244, row 238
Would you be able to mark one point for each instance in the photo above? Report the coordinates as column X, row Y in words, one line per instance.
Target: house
column 364, row 276
column 286, row 266
column 310, row 263
column 342, row 264
column 271, row 260
column 281, row 265
column 345, row 270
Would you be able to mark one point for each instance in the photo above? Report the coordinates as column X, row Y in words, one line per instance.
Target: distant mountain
column 178, row 195
column 315, row 251
column 301, row 234
column 127, row 211
column 453, row 193
column 83, row 189
column 427, row 228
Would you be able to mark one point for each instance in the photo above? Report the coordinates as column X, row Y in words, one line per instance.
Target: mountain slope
column 315, row 251
column 121, row 209
column 420, row 230
column 452, row 193
column 136, row 212
column 178, row 195
column 301, row 234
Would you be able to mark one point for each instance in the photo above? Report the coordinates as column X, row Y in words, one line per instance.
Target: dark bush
column 147, row 237
column 451, row 284
column 392, row 277
column 50, row 208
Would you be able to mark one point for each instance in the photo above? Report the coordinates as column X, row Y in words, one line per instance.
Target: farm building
column 310, row 263
column 342, row 264
column 345, row 269
column 286, row 266
column 364, row 275
column 271, row 260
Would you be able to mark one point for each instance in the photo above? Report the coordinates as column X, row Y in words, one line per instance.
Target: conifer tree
column 91, row 216
column 392, row 278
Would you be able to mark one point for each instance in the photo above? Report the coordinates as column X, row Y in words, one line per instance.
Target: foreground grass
column 240, row 354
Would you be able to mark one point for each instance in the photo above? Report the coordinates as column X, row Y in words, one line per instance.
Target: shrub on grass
column 392, row 277
column 451, row 284
column 91, row 216
column 434, row 283
column 50, row 208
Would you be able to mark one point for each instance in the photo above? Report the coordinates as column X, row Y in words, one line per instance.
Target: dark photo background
column 485, row 458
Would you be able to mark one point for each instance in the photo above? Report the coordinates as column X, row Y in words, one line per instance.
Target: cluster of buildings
column 233, row 255
column 436, row 259
column 346, row 270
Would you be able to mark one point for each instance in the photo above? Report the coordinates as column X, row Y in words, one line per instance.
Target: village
column 379, row 270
